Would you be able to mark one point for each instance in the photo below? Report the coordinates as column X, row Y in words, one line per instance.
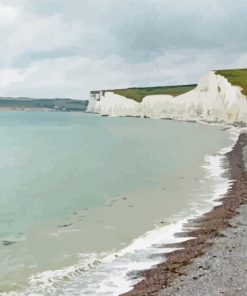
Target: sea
column 87, row 201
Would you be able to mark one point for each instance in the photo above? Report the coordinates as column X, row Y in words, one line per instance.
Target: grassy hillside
column 235, row 77
column 138, row 93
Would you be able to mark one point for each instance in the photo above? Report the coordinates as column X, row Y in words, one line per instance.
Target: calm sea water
column 85, row 200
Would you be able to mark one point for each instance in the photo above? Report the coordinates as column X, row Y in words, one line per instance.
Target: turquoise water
column 76, row 186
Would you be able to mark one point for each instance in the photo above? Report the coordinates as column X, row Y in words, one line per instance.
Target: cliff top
column 236, row 77
column 138, row 93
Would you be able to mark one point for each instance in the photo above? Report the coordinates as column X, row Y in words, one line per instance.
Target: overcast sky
column 65, row 48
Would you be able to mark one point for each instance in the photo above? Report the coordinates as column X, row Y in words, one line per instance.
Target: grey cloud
column 137, row 29
column 156, row 41
column 149, row 29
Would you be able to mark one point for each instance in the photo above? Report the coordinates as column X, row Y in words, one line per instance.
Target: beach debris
column 7, row 243
column 130, row 206
column 65, row 225
column 221, row 234
column 225, row 129
column 124, row 198
column 201, row 267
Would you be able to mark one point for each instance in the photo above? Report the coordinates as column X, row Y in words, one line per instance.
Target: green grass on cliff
column 235, row 77
column 138, row 93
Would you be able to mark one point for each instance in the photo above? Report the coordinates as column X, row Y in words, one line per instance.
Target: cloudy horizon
column 65, row 48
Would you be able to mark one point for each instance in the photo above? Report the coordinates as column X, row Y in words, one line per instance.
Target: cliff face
column 115, row 105
column 214, row 99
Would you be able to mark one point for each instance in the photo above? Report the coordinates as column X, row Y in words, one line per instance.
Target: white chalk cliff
column 214, row 99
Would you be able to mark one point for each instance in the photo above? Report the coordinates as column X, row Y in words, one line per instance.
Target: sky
column 65, row 48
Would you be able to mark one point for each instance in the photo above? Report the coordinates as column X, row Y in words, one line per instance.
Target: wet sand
column 214, row 261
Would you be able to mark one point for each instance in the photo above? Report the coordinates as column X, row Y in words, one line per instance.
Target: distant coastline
column 31, row 104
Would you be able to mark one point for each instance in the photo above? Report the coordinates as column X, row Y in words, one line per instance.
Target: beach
column 213, row 262
column 123, row 152
column 222, row 270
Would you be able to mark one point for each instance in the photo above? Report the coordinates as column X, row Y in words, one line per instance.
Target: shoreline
column 74, row 271
column 203, row 230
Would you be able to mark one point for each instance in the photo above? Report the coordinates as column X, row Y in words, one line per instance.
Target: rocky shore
column 214, row 262
column 222, row 270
